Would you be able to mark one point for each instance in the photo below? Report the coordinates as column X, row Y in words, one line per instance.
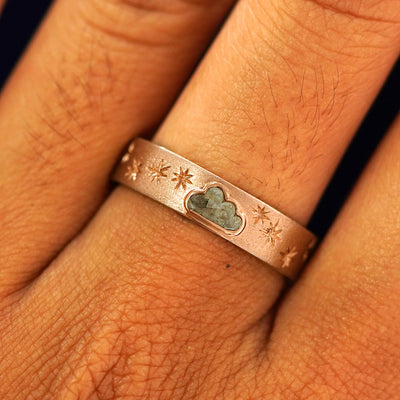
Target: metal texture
column 171, row 179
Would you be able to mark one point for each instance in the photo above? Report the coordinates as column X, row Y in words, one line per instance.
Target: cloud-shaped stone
column 212, row 206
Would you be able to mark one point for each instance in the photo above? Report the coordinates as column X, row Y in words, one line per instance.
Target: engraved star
column 127, row 156
column 182, row 178
column 287, row 256
column 260, row 214
column 133, row 170
column 271, row 233
column 158, row 171
column 131, row 147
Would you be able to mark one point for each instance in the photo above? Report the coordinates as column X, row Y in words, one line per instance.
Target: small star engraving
column 133, row 170
column 259, row 214
column 131, row 147
column 271, row 233
column 287, row 256
column 127, row 156
column 182, row 178
column 158, row 171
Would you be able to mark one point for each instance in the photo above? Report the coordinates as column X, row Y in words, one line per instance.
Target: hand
column 118, row 297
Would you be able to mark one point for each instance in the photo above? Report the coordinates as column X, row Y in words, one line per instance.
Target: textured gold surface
column 171, row 180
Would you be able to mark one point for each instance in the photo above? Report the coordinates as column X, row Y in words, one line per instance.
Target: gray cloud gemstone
column 212, row 206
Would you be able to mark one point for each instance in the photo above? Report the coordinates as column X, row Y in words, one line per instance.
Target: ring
column 216, row 204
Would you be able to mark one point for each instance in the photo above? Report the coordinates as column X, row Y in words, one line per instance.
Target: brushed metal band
column 219, row 206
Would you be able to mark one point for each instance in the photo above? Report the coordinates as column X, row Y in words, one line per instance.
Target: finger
column 272, row 125
column 97, row 73
column 166, row 271
column 2, row 2
column 342, row 320
column 233, row 127
column 235, row 144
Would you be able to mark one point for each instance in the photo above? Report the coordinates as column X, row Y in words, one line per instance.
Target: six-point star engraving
column 233, row 214
column 271, row 233
column 182, row 178
column 259, row 214
column 158, row 170
column 127, row 156
column 133, row 170
column 131, row 147
column 287, row 256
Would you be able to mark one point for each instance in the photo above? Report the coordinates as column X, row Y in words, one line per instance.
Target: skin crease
column 140, row 304
column 93, row 84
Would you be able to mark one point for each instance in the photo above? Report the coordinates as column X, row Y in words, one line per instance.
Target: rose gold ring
column 219, row 206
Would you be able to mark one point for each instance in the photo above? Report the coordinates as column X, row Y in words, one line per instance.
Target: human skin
column 113, row 296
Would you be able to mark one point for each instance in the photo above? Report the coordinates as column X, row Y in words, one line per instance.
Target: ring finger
column 274, row 127
column 257, row 117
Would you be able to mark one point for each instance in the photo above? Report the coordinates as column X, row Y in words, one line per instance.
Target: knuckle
column 143, row 23
column 133, row 353
column 50, row 135
column 173, row 267
column 122, row 25
column 321, row 27
column 74, row 106
column 98, row 366
column 360, row 9
column 59, row 125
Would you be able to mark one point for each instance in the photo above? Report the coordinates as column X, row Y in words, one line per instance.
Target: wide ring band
column 221, row 207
